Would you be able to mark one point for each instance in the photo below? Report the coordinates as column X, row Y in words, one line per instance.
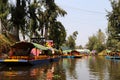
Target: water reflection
column 87, row 68
column 98, row 68
column 53, row 71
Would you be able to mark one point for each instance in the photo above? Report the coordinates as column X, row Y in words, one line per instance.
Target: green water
column 86, row 68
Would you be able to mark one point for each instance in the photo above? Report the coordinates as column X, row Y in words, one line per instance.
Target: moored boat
column 67, row 56
column 25, row 60
column 113, row 57
column 78, row 56
column 26, row 53
column 72, row 54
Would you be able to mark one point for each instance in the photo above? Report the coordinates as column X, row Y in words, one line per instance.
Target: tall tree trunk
column 16, row 33
column 46, row 32
column 42, row 32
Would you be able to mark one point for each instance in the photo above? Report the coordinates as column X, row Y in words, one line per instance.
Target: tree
column 57, row 34
column 38, row 19
column 92, row 42
column 33, row 11
column 96, row 42
column 71, row 40
column 4, row 11
column 54, row 30
column 79, row 47
column 101, row 36
column 50, row 16
column 43, row 21
column 18, row 13
column 114, row 24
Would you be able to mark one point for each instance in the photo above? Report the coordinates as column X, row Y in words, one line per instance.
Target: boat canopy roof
column 28, row 45
column 23, row 45
column 41, row 47
column 67, row 51
column 83, row 50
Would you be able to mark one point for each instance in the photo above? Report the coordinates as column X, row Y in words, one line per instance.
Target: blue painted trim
column 22, row 60
column 1, row 60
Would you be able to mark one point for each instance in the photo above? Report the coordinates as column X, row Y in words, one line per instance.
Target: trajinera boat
column 71, row 54
column 27, row 53
column 113, row 55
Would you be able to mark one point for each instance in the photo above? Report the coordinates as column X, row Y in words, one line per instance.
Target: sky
column 84, row 16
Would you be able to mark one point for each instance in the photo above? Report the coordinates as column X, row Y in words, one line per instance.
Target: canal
column 86, row 68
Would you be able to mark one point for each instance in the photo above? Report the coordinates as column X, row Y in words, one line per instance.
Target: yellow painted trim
column 11, row 60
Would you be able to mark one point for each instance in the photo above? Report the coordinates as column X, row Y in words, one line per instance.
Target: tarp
column 41, row 47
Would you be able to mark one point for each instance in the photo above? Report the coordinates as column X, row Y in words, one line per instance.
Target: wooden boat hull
column 76, row 56
column 55, row 59
column 39, row 62
column 67, row 56
column 16, row 62
column 113, row 57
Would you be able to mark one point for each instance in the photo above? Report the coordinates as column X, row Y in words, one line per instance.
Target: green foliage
column 18, row 13
column 54, row 29
column 5, row 43
column 114, row 25
column 4, row 11
column 43, row 21
column 37, row 18
column 57, row 34
column 49, row 52
column 3, row 8
column 79, row 47
column 71, row 40
column 96, row 42
column 118, row 46
column 92, row 42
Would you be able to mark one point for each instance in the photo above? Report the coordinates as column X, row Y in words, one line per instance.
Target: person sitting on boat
column 35, row 52
column 116, row 54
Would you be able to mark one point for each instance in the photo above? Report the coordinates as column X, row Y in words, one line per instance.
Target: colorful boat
column 25, row 60
column 67, row 56
column 113, row 57
column 26, row 53
column 78, row 56
column 72, row 54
